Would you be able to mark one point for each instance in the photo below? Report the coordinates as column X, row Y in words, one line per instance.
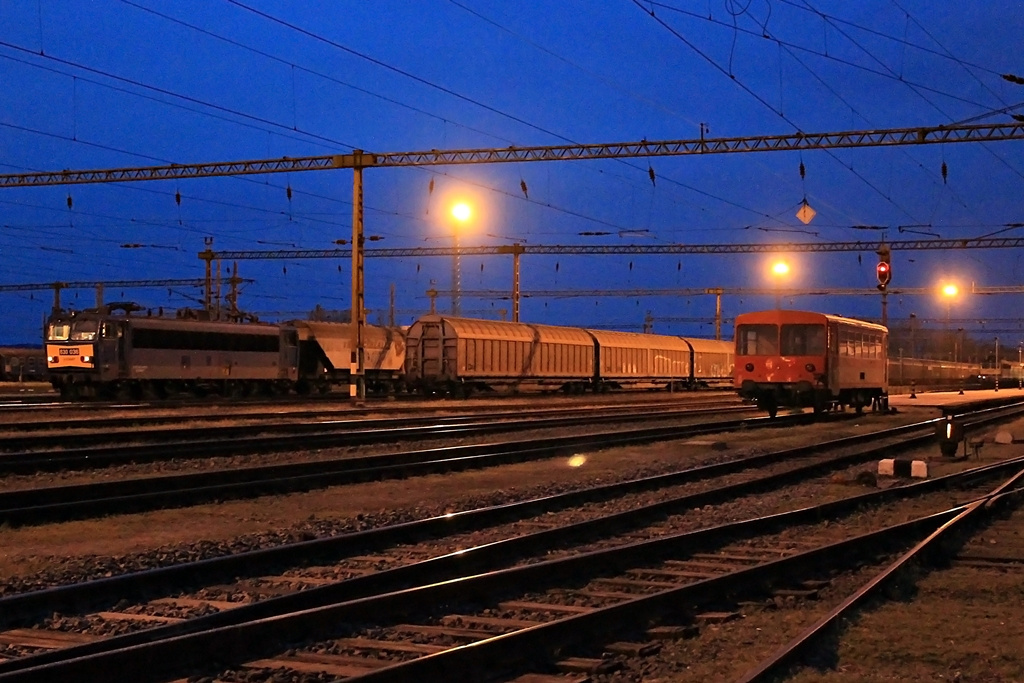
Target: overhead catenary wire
column 763, row 101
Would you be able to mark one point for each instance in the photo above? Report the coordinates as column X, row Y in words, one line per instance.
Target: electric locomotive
column 107, row 352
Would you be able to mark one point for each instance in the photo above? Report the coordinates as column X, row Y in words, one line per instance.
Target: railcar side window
column 803, row 340
column 757, row 340
column 58, row 332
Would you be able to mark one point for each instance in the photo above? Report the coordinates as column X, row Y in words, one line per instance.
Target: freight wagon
column 462, row 355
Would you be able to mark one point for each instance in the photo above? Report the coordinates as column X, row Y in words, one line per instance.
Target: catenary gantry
column 359, row 160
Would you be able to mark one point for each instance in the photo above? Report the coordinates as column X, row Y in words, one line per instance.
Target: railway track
column 120, row 429
column 341, row 402
column 621, row 588
column 944, row 545
column 94, row 450
column 42, row 504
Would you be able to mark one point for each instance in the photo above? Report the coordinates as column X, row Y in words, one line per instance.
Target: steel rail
column 182, row 654
column 21, row 606
column 790, row 653
column 96, row 450
column 45, row 504
column 479, row 559
column 356, row 416
column 37, row 505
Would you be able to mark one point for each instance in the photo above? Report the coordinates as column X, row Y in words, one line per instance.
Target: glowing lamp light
column 462, row 212
column 950, row 290
column 780, row 268
column 577, row 460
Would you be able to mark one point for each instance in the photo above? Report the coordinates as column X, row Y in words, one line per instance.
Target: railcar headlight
column 51, row 359
column 86, row 359
column 809, row 367
column 749, row 367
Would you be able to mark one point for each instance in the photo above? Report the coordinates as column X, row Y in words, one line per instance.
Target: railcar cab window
column 757, row 340
column 58, row 332
column 803, row 340
column 84, row 330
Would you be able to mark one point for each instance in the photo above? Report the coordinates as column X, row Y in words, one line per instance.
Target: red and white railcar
column 798, row 358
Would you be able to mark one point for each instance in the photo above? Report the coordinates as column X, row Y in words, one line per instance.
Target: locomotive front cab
column 83, row 350
column 781, row 360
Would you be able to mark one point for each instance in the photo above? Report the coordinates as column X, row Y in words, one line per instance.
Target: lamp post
column 461, row 212
column 998, row 368
column 780, row 269
column 950, row 291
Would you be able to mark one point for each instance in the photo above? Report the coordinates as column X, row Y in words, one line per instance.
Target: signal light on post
column 884, row 272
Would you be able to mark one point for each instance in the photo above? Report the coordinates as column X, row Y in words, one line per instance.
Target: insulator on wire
column 430, row 187
column 288, row 191
column 69, row 201
column 177, row 198
column 650, row 172
column 631, row 265
column 556, row 266
column 522, row 186
column 945, row 172
column 803, row 171
column 481, row 267
column 284, row 269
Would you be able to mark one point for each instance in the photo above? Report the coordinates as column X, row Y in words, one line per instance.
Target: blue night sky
column 109, row 83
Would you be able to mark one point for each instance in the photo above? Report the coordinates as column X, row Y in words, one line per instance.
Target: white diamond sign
column 806, row 214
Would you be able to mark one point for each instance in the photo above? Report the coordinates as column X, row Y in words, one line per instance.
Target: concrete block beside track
column 902, row 467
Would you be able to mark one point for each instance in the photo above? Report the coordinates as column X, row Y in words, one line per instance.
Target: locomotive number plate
column 69, row 352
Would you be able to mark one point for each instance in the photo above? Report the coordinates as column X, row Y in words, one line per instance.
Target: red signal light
column 884, row 272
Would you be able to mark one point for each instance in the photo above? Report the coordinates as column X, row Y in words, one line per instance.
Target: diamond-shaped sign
column 806, row 214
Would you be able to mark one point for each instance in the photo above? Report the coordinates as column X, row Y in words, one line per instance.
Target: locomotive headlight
column 86, row 359
column 51, row 359
column 749, row 367
column 809, row 367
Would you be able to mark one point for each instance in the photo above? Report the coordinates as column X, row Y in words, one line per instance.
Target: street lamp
column 461, row 212
column 1020, row 365
column 949, row 291
column 780, row 269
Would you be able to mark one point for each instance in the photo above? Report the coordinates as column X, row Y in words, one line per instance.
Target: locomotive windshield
column 58, row 332
column 84, row 330
column 803, row 340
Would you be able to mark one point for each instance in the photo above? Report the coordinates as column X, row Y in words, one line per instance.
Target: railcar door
column 110, row 359
column 289, row 357
column 431, row 349
column 832, row 362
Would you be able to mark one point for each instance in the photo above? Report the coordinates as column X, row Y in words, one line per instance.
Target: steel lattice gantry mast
column 97, row 285
column 359, row 160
